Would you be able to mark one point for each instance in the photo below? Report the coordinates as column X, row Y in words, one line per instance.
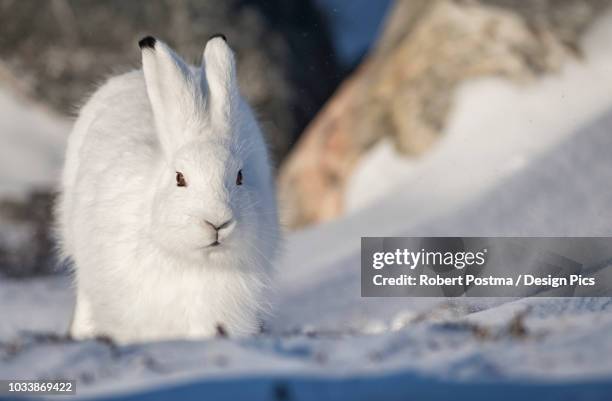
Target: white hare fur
column 148, row 263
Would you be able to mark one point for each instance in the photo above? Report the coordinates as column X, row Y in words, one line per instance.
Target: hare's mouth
column 212, row 245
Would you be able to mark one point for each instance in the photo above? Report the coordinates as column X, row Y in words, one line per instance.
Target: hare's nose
column 221, row 226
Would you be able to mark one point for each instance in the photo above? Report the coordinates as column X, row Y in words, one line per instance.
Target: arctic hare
column 167, row 205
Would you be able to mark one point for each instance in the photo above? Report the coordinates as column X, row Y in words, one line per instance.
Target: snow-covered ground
column 556, row 347
column 548, row 173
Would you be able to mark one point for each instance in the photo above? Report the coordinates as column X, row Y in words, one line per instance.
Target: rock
column 404, row 89
column 60, row 49
column 26, row 243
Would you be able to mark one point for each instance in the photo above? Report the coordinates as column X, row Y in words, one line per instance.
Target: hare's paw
column 82, row 326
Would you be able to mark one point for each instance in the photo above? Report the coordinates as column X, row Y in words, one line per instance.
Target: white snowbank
column 33, row 141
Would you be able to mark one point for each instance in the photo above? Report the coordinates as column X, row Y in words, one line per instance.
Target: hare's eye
column 239, row 178
column 180, row 180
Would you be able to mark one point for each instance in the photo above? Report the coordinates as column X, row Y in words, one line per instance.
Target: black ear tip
column 218, row 35
column 147, row 42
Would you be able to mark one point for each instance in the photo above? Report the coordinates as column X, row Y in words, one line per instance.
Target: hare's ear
column 219, row 71
column 175, row 97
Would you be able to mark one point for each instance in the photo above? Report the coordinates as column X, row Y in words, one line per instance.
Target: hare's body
column 147, row 263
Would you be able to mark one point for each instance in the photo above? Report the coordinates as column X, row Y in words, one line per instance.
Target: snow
column 447, row 349
column 548, row 174
column 33, row 142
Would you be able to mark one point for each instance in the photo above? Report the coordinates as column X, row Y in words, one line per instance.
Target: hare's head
column 213, row 196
